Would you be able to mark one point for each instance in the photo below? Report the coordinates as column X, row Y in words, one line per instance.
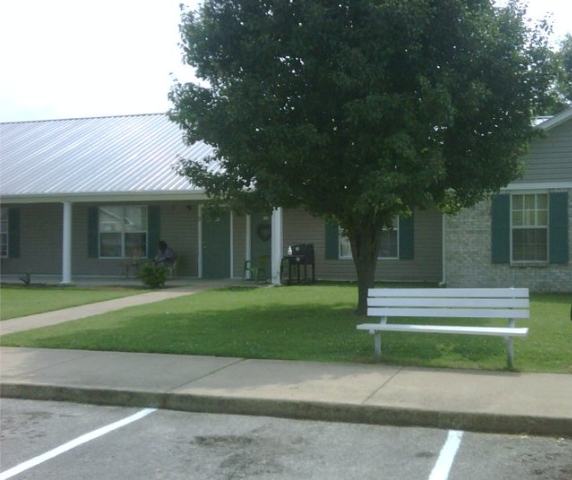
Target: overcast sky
column 79, row 58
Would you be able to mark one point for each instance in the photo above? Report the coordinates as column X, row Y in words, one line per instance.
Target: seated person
column 165, row 256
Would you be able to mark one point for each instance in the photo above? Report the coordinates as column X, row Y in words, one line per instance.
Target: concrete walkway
column 76, row 313
column 502, row 402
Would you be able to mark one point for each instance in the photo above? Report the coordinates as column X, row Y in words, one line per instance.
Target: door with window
column 260, row 233
column 216, row 246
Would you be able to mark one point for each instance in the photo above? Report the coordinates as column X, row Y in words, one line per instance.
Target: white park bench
column 463, row 303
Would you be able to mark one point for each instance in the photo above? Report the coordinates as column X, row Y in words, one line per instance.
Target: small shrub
column 26, row 278
column 153, row 276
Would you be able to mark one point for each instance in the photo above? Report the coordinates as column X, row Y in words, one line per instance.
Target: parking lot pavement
column 64, row 441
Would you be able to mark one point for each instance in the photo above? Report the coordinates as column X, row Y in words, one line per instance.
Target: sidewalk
column 501, row 402
column 75, row 313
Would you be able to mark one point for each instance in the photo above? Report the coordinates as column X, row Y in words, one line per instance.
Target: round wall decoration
column 264, row 231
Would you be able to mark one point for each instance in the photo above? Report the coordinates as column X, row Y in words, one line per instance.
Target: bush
column 153, row 276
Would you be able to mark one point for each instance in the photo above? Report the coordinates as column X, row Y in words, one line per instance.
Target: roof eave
column 147, row 196
column 556, row 119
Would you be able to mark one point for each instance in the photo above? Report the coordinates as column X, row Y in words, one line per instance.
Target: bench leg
column 509, row 352
column 377, row 344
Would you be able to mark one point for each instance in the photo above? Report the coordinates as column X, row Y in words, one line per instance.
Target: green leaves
column 360, row 109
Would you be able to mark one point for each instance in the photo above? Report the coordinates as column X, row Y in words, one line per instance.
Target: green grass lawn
column 304, row 323
column 19, row 301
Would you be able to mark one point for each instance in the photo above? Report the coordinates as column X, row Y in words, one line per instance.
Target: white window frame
column 526, row 218
column 345, row 251
column 126, row 251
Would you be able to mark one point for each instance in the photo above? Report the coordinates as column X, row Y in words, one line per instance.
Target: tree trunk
column 365, row 245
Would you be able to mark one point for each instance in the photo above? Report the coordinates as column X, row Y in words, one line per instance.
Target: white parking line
column 74, row 443
column 445, row 461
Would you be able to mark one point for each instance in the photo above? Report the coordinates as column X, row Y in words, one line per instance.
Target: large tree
column 359, row 110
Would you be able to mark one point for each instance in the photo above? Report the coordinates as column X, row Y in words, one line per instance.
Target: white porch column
column 277, row 244
column 200, row 238
column 67, row 244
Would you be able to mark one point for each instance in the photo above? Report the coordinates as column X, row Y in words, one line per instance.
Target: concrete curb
column 300, row 410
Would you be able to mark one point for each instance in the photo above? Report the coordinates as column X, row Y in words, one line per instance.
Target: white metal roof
column 87, row 158
column 118, row 158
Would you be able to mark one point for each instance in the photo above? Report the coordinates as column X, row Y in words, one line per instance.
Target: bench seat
column 396, row 327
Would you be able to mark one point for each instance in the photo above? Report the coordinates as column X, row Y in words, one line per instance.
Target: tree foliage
column 359, row 110
column 562, row 89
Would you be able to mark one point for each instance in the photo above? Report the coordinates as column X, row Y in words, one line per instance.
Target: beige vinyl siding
column 179, row 228
column 81, row 263
column 301, row 227
column 239, row 245
column 40, row 240
column 426, row 266
column 41, row 248
column 550, row 158
column 41, row 228
column 427, row 263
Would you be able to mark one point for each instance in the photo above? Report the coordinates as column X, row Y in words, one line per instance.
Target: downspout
column 231, row 244
column 248, row 252
column 443, row 282
column 66, row 244
column 200, row 235
column 277, row 244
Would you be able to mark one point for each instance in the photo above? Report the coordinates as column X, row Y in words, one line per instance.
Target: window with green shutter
column 332, row 241
column 530, row 228
column 154, row 229
column 10, row 232
column 529, row 225
column 500, row 235
column 4, row 233
column 558, row 221
column 396, row 242
column 119, row 231
column 406, row 236
column 93, row 232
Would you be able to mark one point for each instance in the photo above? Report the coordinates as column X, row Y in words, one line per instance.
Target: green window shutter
column 500, row 229
column 93, row 232
column 14, row 233
column 153, row 229
column 332, row 242
column 558, row 228
column 406, row 238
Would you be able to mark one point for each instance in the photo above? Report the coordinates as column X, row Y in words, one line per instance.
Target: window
column 397, row 242
column 122, row 231
column 4, row 233
column 388, row 248
column 529, row 227
column 345, row 247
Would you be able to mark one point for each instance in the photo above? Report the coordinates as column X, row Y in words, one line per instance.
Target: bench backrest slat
column 446, row 312
column 450, row 292
column 448, row 302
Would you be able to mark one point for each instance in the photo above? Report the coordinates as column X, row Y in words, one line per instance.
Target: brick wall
column 468, row 257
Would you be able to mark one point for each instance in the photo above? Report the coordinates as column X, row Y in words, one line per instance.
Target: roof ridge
column 86, row 118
